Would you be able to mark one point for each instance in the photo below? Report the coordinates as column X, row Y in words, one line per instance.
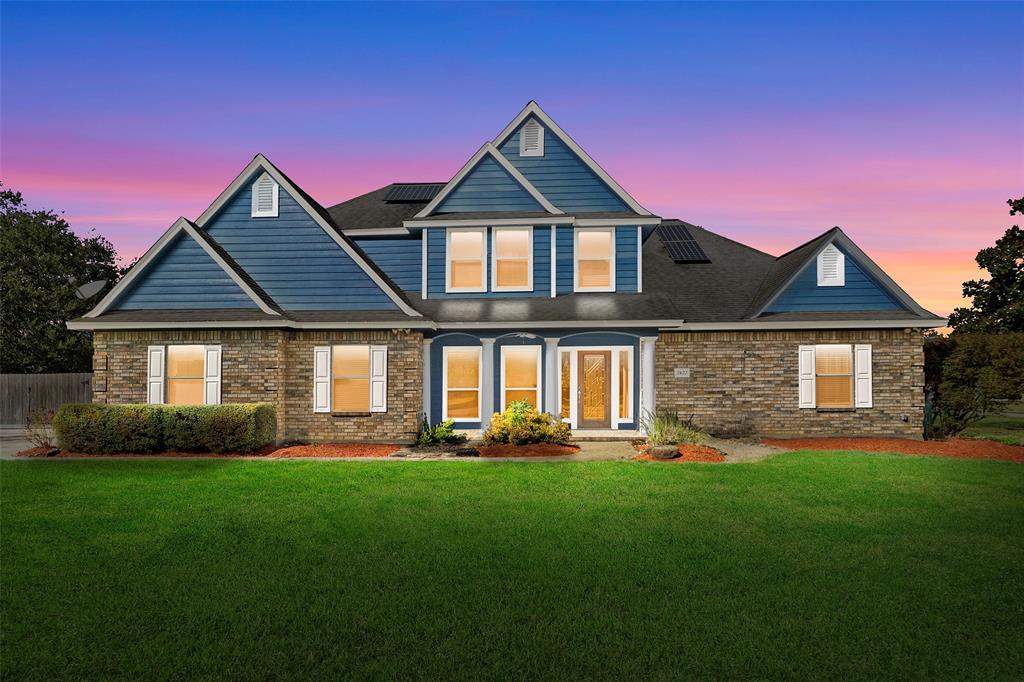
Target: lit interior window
column 594, row 259
column 625, row 385
column 512, row 258
column 566, row 384
column 462, row 389
column 521, row 366
column 833, row 370
column 466, row 259
column 350, row 370
column 185, row 372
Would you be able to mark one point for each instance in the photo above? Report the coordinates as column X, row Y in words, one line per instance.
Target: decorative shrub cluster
column 668, row 429
column 439, row 434
column 109, row 429
column 521, row 424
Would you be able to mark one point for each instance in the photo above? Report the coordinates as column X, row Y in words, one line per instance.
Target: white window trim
column 516, row 348
column 494, row 258
column 479, row 382
column 448, row 288
column 157, row 377
column 860, row 376
column 840, row 279
column 380, row 379
column 539, row 151
column 273, row 212
column 576, row 260
column 573, row 418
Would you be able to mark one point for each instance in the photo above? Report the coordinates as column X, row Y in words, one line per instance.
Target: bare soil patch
column 338, row 450
column 687, row 453
column 532, row 450
column 961, row 448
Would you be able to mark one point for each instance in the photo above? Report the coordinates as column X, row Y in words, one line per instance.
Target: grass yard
column 1003, row 428
column 804, row 565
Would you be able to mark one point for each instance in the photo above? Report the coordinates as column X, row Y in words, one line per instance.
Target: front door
column 595, row 381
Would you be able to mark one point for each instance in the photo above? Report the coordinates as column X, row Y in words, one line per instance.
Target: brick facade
column 746, row 382
column 274, row 366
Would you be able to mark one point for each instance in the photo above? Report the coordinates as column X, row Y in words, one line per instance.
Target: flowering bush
column 521, row 424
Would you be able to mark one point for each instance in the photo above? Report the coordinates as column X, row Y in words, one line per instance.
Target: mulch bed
column 533, row 450
column 338, row 450
column 688, row 453
column 961, row 448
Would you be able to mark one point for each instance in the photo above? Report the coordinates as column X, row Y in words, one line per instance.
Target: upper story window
column 531, row 139
column 595, row 259
column 513, row 261
column 264, row 197
column 831, row 267
column 467, row 255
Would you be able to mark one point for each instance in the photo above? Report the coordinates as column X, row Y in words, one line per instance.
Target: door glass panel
column 624, row 384
column 566, row 384
column 594, row 372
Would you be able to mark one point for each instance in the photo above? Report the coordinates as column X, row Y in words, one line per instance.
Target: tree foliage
column 42, row 263
column 968, row 373
column 997, row 303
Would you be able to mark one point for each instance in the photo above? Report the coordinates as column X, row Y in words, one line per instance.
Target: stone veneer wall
column 746, row 382
column 274, row 366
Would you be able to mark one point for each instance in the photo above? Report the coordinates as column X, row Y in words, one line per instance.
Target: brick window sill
column 827, row 410
column 350, row 414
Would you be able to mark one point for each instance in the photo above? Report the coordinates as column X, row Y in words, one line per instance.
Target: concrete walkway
column 743, row 450
column 12, row 440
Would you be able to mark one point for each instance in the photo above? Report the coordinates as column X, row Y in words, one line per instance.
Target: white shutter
column 155, row 376
column 378, row 378
column 862, row 375
column 264, row 197
column 211, row 377
column 531, row 139
column 831, row 267
column 807, row 376
column 322, row 379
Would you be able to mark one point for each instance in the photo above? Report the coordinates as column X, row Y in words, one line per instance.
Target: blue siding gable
column 488, row 187
column 183, row 276
column 860, row 292
column 437, row 257
column 561, row 176
column 401, row 258
column 295, row 261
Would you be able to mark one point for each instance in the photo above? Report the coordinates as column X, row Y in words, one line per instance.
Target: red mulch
column 338, row 450
column 962, row 448
column 689, row 453
column 532, row 450
column 33, row 452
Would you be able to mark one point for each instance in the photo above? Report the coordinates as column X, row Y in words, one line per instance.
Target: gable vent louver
column 831, row 267
column 531, row 139
column 264, row 197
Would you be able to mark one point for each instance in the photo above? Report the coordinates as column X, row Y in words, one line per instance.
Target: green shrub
column 521, row 424
column 439, row 434
column 109, row 429
column 668, row 429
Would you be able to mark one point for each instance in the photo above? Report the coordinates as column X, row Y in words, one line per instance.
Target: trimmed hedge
column 111, row 429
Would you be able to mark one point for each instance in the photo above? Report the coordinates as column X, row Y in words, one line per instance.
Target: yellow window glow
column 185, row 369
column 566, row 383
column 833, row 368
column 465, row 259
column 512, row 258
column 462, row 387
column 624, row 384
column 521, row 374
column 594, row 259
column 350, row 370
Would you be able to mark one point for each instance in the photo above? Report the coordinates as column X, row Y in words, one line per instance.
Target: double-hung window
column 595, row 259
column 466, row 269
column 350, row 378
column 835, row 376
column 512, row 259
column 183, row 374
column 460, row 398
column 520, row 375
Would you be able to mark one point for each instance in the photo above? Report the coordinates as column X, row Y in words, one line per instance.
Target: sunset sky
column 901, row 123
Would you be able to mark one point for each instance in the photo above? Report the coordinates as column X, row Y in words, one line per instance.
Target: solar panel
column 413, row 192
column 681, row 245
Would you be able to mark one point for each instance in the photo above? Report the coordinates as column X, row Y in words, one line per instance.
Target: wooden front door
column 595, row 384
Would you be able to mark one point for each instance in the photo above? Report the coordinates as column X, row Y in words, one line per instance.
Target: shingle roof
column 235, row 267
column 370, row 210
column 785, row 267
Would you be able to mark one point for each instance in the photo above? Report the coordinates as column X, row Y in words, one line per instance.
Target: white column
column 551, row 372
column 426, row 379
column 554, row 257
column 648, row 397
column 487, row 383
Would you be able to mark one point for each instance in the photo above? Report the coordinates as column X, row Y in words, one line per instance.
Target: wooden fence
column 20, row 393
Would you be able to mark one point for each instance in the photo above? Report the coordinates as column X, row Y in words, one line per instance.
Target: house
column 529, row 275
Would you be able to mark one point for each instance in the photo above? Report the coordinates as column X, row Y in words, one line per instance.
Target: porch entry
column 596, row 386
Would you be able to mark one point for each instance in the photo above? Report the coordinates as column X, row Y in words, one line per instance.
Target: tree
column 998, row 302
column 42, row 263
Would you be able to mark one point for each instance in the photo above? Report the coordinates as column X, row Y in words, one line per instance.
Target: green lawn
column 804, row 565
column 999, row 427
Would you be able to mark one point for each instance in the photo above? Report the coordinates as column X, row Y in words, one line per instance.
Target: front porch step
column 605, row 434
